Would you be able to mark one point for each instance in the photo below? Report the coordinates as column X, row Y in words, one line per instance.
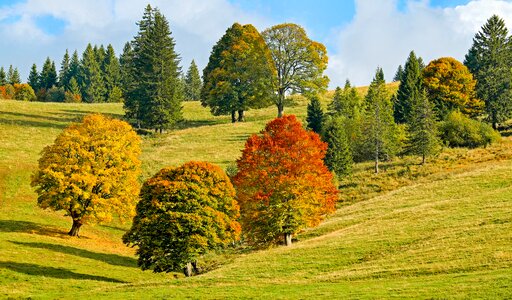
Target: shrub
column 460, row 131
column 24, row 92
column 7, row 91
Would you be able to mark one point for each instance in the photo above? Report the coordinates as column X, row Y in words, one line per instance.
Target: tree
column 451, row 86
column 379, row 131
column 33, row 78
column 282, row 182
column 91, row 79
column 3, row 77
column 91, row 171
column 24, row 92
column 154, row 68
column 183, row 212
column 48, row 77
column 315, row 115
column 408, row 90
column 346, row 102
column 64, row 77
column 239, row 74
column 423, row 138
column 131, row 104
column 338, row 157
column 399, row 73
column 112, row 76
column 490, row 60
column 13, row 76
column 193, row 83
column 299, row 61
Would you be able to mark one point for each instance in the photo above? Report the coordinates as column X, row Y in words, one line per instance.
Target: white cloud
column 381, row 35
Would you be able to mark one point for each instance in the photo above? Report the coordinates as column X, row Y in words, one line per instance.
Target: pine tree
column 48, row 77
column 423, row 139
column 112, row 75
column 399, row 74
column 315, row 115
column 409, row 89
column 338, row 157
column 9, row 74
column 33, row 78
column 380, row 133
column 74, row 88
column 131, row 104
column 490, row 61
column 91, row 79
column 346, row 102
column 15, row 78
column 64, row 72
column 3, row 77
column 193, row 83
column 74, row 73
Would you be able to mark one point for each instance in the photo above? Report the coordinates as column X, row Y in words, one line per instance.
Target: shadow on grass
column 60, row 273
column 197, row 123
column 111, row 259
column 31, row 227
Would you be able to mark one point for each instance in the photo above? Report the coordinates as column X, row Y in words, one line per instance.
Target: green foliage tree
column 490, row 60
column 409, row 90
column 91, row 79
column 338, row 157
column 48, row 76
column 156, row 89
column 3, row 77
column 112, row 76
column 74, row 71
column 183, row 213
column 315, row 115
column 33, row 78
column 64, row 74
column 91, row 171
column 422, row 129
column 451, row 86
column 13, row 76
column 24, row 92
column 399, row 73
column 131, row 103
column 193, row 83
column 299, row 61
column 457, row 130
column 239, row 74
column 379, row 131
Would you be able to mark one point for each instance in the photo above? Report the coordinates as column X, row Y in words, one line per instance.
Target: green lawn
column 440, row 231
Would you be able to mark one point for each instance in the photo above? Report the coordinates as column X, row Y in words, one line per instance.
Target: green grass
column 438, row 231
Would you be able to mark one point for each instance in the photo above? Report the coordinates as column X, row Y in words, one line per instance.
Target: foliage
column 490, row 61
column 33, row 78
column 282, row 183
column 111, row 71
column 399, row 73
column 24, row 92
column 451, row 86
column 315, row 116
column 409, row 90
column 460, row 131
column 13, row 76
column 55, row 94
column 299, row 61
column 64, row 72
column 3, row 77
column 48, row 76
column 338, row 157
column 346, row 102
column 90, row 171
column 239, row 74
column 422, row 129
column 193, row 83
column 7, row 91
column 183, row 212
column 90, row 77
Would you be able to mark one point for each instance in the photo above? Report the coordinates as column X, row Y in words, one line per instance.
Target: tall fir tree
column 48, row 77
column 91, row 80
column 422, row 130
column 15, row 77
column 315, row 115
column 10, row 72
column 3, row 76
column 380, row 133
column 408, row 90
column 338, row 157
column 33, row 78
column 399, row 73
column 74, row 72
column 64, row 71
column 130, row 104
column 346, row 102
column 193, row 83
column 490, row 61
column 112, row 75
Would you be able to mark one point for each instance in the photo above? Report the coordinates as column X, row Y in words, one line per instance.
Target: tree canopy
column 193, row 83
column 411, row 85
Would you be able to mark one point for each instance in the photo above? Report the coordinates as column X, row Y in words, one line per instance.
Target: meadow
column 443, row 230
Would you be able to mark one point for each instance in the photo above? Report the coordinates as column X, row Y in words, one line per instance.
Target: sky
column 360, row 35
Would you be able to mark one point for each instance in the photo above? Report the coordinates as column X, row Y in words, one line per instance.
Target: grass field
column 438, row 231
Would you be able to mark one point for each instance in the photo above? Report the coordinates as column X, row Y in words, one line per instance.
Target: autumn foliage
column 183, row 212
column 91, row 171
column 282, row 184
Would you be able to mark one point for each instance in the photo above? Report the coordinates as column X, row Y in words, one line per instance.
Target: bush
column 55, row 94
column 24, row 92
column 7, row 91
column 460, row 131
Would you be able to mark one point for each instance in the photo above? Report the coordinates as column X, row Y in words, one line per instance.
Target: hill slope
column 442, row 238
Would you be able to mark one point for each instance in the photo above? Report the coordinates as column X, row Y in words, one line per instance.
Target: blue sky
column 360, row 35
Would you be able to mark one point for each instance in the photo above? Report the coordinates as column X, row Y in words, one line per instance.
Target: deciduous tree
column 183, row 212
column 282, row 182
column 90, row 171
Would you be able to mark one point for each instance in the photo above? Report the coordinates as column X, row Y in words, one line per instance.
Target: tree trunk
column 188, row 269
column 280, row 104
column 241, row 117
column 75, row 228
column 233, row 116
column 288, row 239
column 423, row 160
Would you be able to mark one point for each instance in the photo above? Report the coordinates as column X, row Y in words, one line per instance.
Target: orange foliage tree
column 91, row 171
column 183, row 212
column 282, row 183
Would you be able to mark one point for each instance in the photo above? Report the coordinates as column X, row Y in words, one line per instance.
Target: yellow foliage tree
column 91, row 171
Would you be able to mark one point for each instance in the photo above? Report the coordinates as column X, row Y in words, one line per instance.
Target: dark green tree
column 239, row 74
column 193, row 83
column 33, row 78
column 346, row 102
column 408, row 90
column 64, row 71
column 3, row 76
column 490, row 61
column 338, row 157
column 130, row 104
column 399, row 74
column 315, row 115
column 91, row 81
column 112, row 75
column 422, row 129
column 13, row 76
column 48, row 77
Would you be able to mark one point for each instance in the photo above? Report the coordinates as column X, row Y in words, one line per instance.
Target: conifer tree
column 74, row 88
column 131, row 103
column 408, row 90
column 490, row 61
column 338, row 157
column 399, row 73
column 3, row 77
column 15, row 77
column 10, row 72
column 64, row 71
column 315, row 115
column 33, row 78
column 346, row 102
column 112, row 75
column 48, row 77
column 193, row 83
column 423, row 139
column 90, row 77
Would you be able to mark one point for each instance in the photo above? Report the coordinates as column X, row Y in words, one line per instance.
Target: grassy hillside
column 428, row 232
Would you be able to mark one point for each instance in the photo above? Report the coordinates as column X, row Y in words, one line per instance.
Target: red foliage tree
column 282, row 183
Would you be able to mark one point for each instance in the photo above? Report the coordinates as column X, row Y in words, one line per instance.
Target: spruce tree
column 193, row 83
column 338, row 157
column 15, row 77
column 131, row 103
column 74, row 88
column 408, row 90
column 74, row 73
column 90, row 77
column 346, row 102
column 10, row 72
column 490, row 61
column 33, row 78
column 3, row 77
column 315, row 115
column 399, row 74
column 112, row 75
column 423, row 139
column 64, row 72
column 48, row 77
